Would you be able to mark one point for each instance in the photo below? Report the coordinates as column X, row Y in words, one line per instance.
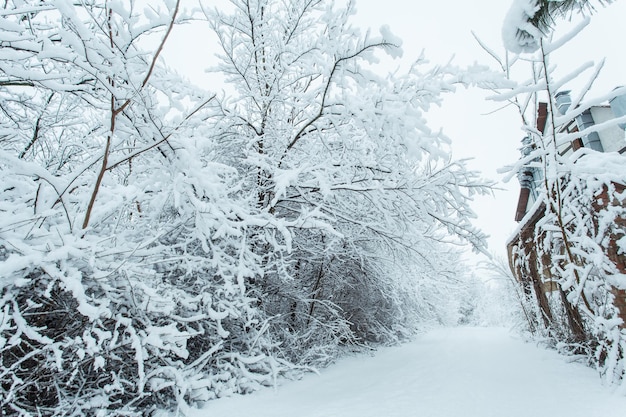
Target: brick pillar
column 620, row 304
column 612, row 251
column 620, row 262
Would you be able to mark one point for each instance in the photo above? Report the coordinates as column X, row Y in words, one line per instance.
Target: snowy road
column 463, row 372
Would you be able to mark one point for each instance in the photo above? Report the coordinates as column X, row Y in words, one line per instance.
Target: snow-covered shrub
column 148, row 308
column 124, row 249
column 587, row 267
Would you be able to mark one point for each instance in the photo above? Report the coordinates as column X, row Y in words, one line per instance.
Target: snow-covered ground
column 460, row 372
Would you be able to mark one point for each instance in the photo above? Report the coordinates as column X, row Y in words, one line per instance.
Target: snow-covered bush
column 123, row 249
column 117, row 320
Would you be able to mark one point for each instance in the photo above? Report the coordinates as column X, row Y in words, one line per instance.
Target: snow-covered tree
column 569, row 247
column 342, row 157
column 161, row 246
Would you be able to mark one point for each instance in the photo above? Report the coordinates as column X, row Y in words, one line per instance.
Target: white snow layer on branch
column 518, row 33
column 553, row 46
column 389, row 37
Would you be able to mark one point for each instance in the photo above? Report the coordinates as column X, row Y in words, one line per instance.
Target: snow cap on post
column 563, row 101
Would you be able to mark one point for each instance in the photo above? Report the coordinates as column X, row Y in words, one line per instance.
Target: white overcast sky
column 443, row 30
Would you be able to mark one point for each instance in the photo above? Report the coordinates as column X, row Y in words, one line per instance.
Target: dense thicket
column 160, row 245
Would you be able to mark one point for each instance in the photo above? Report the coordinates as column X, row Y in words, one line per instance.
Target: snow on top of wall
column 604, row 166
